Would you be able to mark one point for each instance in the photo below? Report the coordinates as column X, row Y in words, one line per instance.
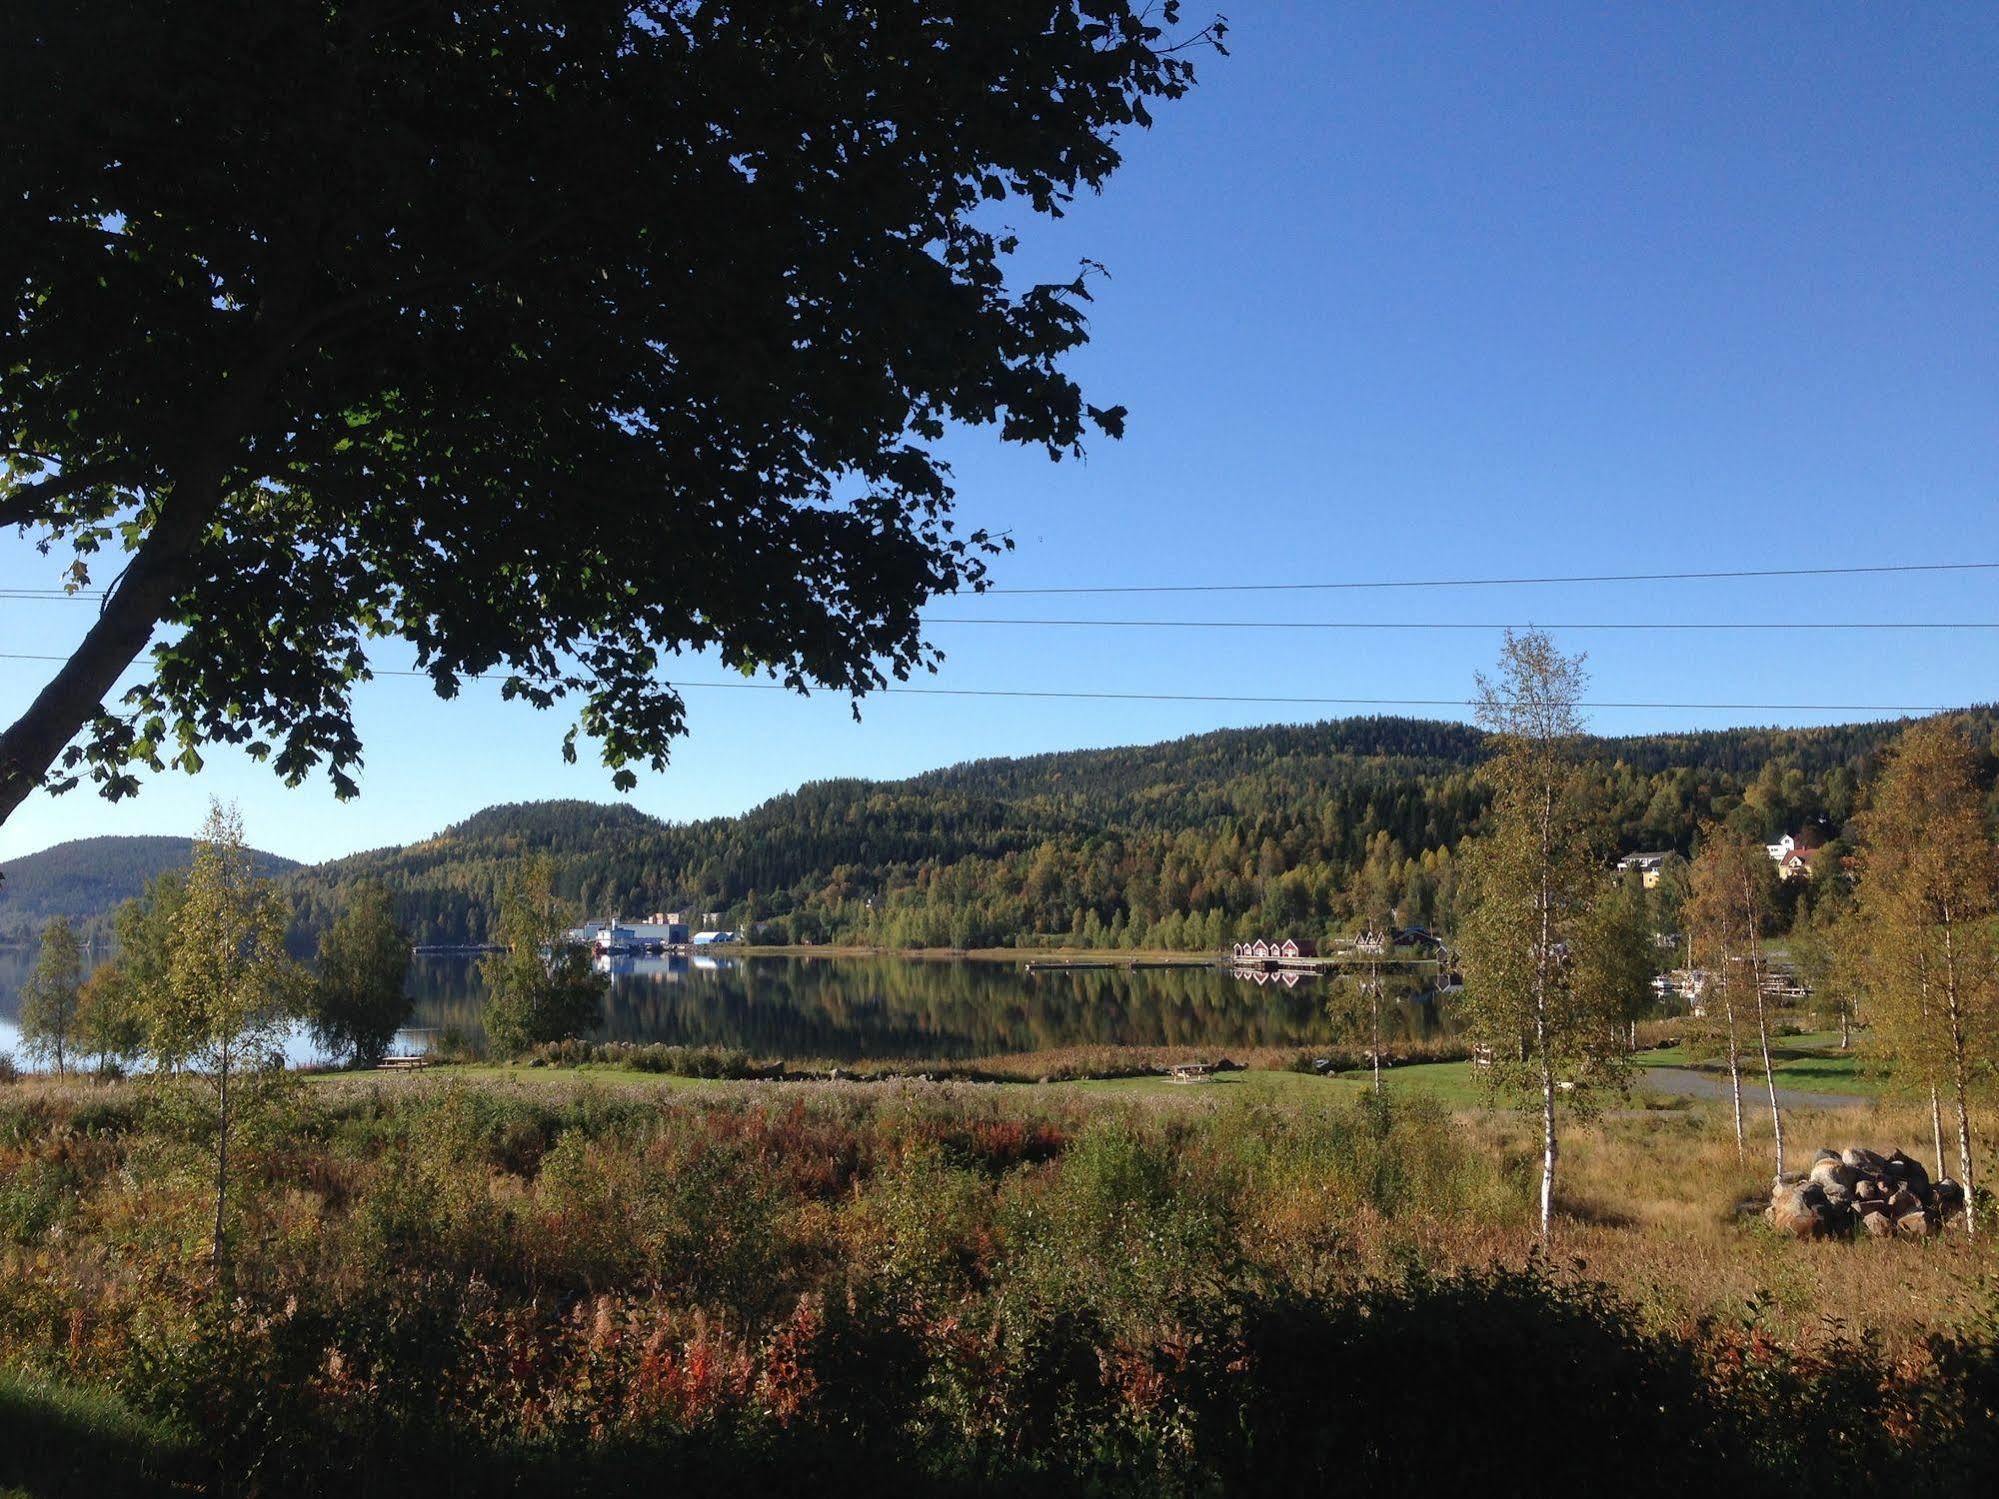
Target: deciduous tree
column 541, row 987
column 1531, row 945
column 110, row 1026
column 551, row 339
column 1924, row 906
column 359, row 1000
column 1726, row 912
column 218, row 1012
column 49, row 1000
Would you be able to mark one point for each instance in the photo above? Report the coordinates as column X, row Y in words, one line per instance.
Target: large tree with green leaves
column 1924, row 909
column 50, row 1000
column 359, row 999
column 552, row 339
column 1541, row 986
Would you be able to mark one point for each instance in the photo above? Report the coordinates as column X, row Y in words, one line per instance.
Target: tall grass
column 925, row 1289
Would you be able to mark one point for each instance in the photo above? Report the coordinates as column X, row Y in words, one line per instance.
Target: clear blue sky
column 1410, row 291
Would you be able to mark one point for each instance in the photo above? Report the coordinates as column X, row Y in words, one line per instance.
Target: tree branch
column 25, row 504
column 121, row 631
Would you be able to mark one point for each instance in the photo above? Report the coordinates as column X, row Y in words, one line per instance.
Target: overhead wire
column 900, row 690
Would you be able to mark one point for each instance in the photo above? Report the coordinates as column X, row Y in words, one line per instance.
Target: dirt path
column 1682, row 1080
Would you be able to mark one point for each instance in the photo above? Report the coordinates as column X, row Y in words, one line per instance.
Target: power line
column 1720, row 575
column 1219, row 697
column 1381, row 624
column 1411, row 624
column 1519, row 582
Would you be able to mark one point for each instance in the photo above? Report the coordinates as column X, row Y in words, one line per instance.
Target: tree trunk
column 1954, row 1009
column 218, row 1255
column 1549, row 1146
column 123, row 626
column 1755, row 960
column 1734, row 1054
column 1936, row 1128
column 1770, row 1078
column 1374, row 999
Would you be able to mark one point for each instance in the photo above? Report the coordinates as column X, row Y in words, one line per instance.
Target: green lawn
column 57, row 1439
column 1451, row 1082
column 493, row 1072
column 1811, row 1063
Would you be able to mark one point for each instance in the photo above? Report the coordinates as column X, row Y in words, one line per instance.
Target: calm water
column 853, row 1009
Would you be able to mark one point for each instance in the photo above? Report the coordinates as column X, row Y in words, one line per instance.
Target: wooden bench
column 403, row 1064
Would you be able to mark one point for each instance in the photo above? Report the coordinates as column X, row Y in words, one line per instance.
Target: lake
column 850, row 1009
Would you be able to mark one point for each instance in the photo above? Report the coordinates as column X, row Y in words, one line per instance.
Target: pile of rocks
column 1857, row 1190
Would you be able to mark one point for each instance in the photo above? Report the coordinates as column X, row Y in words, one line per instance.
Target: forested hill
column 1187, row 843
column 87, row 879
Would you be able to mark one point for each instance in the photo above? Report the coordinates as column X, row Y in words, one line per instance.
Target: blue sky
column 1400, row 292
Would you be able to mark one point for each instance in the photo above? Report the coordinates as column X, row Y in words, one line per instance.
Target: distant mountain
column 1304, row 828
column 87, row 879
column 1183, row 843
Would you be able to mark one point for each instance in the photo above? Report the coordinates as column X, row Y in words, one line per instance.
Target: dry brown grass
column 1651, row 1205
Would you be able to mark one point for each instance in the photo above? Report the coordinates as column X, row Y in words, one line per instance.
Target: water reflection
column 853, row 1009
column 886, row 1008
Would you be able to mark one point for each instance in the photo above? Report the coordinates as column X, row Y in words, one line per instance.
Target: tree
column 358, row 998
column 1535, row 992
column 1625, row 958
column 49, row 1000
column 1727, row 909
column 1822, row 942
column 541, row 986
column 1926, row 898
column 109, row 1024
column 553, row 340
column 218, row 1012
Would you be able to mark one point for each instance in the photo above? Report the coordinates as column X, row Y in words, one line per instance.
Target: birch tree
column 1928, row 893
column 359, row 998
column 542, row 986
column 1727, row 909
column 1533, row 941
column 50, row 998
column 218, row 1018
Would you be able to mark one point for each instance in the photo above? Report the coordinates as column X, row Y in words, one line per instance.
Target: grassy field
column 545, row 1279
column 1812, row 1063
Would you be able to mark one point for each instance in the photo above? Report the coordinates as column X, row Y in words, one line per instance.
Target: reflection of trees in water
column 850, row 1008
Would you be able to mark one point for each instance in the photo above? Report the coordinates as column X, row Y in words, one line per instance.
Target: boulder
column 1947, row 1194
column 1802, row 1211
column 1917, row 1225
column 1825, row 1155
column 1911, row 1172
column 1831, row 1173
column 1903, row 1203
column 1867, row 1189
column 1878, row 1224
column 1862, row 1159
